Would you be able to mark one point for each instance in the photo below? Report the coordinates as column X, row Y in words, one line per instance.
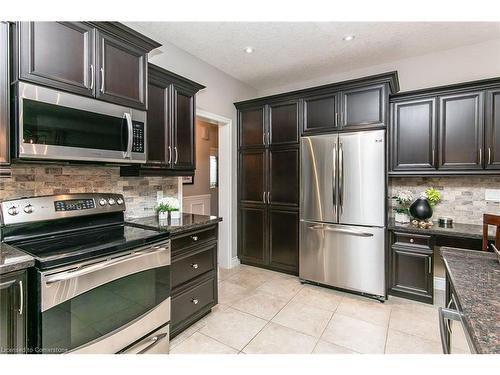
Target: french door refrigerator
column 342, row 211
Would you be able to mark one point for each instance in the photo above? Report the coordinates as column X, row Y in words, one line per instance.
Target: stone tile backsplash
column 37, row 179
column 462, row 198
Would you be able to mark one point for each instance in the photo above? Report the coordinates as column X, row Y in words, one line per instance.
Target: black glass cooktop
column 62, row 249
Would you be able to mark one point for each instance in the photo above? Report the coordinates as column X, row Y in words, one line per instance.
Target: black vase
column 421, row 209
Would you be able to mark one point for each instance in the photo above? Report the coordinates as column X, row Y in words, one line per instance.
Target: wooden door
column 121, row 74
column 284, row 239
column 320, row 113
column 284, row 176
column 461, row 123
column 183, row 128
column 58, row 54
column 252, row 130
column 253, row 172
column 253, row 234
column 413, row 135
column 492, row 129
column 284, row 123
column 158, row 137
column 364, row 107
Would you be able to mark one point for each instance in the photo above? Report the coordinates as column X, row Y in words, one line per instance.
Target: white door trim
column 225, row 185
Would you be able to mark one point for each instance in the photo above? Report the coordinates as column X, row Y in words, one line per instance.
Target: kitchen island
column 473, row 286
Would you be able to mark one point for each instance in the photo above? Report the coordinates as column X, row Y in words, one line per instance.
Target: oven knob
column 29, row 209
column 13, row 211
column 119, row 201
column 111, row 201
column 102, row 202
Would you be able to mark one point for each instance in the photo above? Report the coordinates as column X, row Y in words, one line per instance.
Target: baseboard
column 235, row 262
column 439, row 283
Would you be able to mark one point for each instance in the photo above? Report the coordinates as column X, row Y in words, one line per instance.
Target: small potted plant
column 404, row 199
column 433, row 196
column 168, row 207
column 163, row 209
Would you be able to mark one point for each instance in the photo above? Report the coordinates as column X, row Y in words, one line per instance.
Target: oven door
column 61, row 126
column 105, row 306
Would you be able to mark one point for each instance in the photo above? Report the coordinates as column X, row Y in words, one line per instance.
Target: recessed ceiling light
column 347, row 38
column 248, row 49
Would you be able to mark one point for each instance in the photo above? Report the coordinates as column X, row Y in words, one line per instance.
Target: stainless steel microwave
column 55, row 125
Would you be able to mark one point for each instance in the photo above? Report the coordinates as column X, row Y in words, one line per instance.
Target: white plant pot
column 402, row 218
column 163, row 215
column 175, row 214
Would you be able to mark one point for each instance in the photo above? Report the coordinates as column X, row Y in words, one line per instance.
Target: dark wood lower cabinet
column 193, row 277
column 13, row 306
column 284, row 239
column 252, row 234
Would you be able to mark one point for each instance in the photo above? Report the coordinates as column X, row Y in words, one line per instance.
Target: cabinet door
column 157, row 121
column 413, row 135
column 4, row 95
column 412, row 274
column 13, row 312
column 461, row 131
column 284, row 239
column 252, row 130
column 284, row 177
column 183, row 128
column 492, row 135
column 121, row 72
column 253, row 234
column 58, row 54
column 364, row 107
column 284, row 123
column 320, row 113
column 252, row 181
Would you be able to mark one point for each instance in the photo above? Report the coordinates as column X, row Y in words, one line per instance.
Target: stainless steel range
column 102, row 286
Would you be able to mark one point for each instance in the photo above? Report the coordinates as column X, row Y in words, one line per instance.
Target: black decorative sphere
column 421, row 209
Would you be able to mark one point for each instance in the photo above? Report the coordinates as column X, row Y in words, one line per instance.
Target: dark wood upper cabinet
column 116, row 60
column 158, row 134
column 284, row 239
column 321, row 113
column 461, row 122
column 284, row 176
column 253, row 179
column 413, row 134
column 251, row 127
column 183, row 128
column 4, row 100
column 364, row 107
column 253, row 234
column 58, row 54
column 492, row 129
column 284, row 123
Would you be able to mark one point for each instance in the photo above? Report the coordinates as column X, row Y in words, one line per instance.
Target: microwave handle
column 130, row 129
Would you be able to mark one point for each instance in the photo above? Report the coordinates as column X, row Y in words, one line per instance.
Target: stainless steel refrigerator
column 342, row 211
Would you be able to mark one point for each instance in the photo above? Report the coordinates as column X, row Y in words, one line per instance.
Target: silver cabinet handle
column 480, row 156
column 176, row 155
column 268, row 138
column 489, row 155
column 21, row 298
column 91, row 76
column 195, row 266
column 433, row 160
column 430, row 265
column 263, row 138
column 336, row 119
column 195, row 301
column 194, row 238
column 268, row 197
column 102, row 80
column 169, row 154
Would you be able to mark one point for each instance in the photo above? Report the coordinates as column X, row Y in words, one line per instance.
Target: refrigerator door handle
column 341, row 178
column 334, row 179
column 341, row 230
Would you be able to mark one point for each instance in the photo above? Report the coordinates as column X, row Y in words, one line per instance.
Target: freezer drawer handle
column 338, row 230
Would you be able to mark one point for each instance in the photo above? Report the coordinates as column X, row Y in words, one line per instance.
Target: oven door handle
column 68, row 275
column 127, row 154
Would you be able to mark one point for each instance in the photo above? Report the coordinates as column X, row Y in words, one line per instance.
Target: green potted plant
column 168, row 207
column 162, row 209
column 402, row 213
column 433, row 196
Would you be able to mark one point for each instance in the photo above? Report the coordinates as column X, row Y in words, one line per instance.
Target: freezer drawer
column 348, row 257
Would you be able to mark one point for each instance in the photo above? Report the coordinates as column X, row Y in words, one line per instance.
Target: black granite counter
column 174, row 226
column 475, row 281
column 471, row 231
column 12, row 259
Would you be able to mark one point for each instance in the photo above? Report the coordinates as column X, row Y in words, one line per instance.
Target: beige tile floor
column 265, row 312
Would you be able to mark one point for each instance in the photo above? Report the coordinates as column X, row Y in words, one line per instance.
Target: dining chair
column 488, row 220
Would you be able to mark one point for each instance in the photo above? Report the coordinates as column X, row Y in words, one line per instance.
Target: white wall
column 456, row 65
column 218, row 97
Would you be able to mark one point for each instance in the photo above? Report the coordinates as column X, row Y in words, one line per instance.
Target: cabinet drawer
column 193, row 265
column 410, row 239
column 192, row 301
column 194, row 238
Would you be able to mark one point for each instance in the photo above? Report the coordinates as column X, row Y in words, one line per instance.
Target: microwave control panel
column 138, row 136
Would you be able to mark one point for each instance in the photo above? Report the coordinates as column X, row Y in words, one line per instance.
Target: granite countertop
column 472, row 231
column 475, row 279
column 185, row 223
column 12, row 259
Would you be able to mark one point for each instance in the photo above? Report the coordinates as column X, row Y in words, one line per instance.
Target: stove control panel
column 54, row 207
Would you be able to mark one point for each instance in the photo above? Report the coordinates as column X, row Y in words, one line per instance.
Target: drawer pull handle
column 194, row 265
column 195, row 301
column 194, row 238
column 412, row 240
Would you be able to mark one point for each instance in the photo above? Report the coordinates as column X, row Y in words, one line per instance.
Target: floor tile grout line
column 387, row 331
column 220, row 342
column 326, row 326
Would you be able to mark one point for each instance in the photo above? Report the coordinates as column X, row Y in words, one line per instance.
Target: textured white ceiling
column 297, row 51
